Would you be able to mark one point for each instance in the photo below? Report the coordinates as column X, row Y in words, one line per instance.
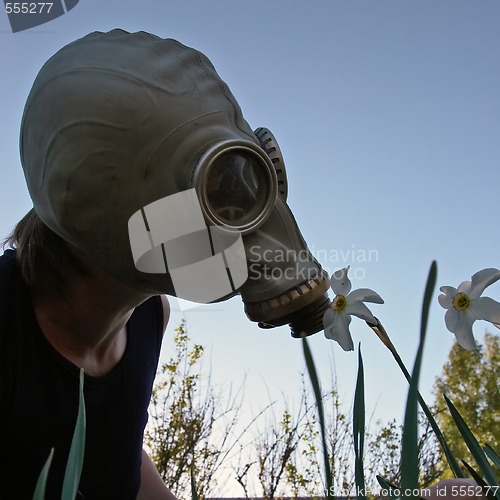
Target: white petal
column 328, row 333
column 451, row 318
column 460, row 324
column 340, row 282
column 446, row 298
column 449, row 290
column 481, row 280
column 360, row 310
column 364, row 295
column 464, row 287
column 339, row 331
column 485, row 308
column 328, row 318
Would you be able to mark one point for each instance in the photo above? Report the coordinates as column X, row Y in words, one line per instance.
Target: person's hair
column 43, row 256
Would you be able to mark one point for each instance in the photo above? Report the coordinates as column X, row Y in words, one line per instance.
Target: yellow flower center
column 461, row 301
column 339, row 303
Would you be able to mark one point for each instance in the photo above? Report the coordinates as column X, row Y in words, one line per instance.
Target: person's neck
column 86, row 322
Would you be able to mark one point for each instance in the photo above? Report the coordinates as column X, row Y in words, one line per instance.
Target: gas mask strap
column 270, row 145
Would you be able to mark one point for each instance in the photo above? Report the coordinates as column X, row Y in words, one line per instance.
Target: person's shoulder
column 9, row 287
column 8, row 259
column 151, row 316
column 157, row 306
column 8, row 268
column 166, row 310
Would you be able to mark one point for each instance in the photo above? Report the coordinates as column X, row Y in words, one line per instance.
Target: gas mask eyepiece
column 236, row 185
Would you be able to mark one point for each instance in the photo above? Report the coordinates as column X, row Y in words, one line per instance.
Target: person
column 61, row 312
column 121, row 136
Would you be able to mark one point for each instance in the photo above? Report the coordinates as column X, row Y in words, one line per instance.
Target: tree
column 471, row 380
column 286, row 457
column 271, row 458
column 383, row 454
column 191, row 426
column 274, row 451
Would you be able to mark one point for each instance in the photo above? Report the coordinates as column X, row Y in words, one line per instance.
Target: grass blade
column 311, row 369
column 475, row 475
column 390, row 488
column 358, row 427
column 487, row 491
column 492, row 455
column 76, row 453
column 194, row 494
column 474, row 447
column 41, row 483
column 409, row 454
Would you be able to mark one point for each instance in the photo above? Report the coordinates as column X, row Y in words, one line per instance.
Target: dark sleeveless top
column 39, row 401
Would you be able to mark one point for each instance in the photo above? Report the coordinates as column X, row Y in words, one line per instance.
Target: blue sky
column 388, row 115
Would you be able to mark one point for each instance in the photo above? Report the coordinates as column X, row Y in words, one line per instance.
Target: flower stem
column 384, row 337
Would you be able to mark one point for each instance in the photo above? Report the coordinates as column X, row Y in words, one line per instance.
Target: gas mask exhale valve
column 181, row 197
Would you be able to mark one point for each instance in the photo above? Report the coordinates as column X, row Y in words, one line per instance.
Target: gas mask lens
column 237, row 185
column 237, row 188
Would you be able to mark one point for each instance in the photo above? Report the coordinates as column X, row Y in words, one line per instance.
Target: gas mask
column 137, row 153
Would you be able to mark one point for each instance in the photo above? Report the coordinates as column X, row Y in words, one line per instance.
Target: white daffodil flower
column 465, row 305
column 337, row 318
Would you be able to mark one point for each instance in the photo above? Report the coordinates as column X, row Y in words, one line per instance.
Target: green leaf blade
column 390, row 488
column 41, row 484
column 474, row 447
column 358, row 425
column 194, row 493
column 492, row 455
column 311, row 369
column 77, row 451
column 409, row 454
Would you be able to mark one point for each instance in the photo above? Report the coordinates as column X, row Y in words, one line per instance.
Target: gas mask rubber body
column 137, row 153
